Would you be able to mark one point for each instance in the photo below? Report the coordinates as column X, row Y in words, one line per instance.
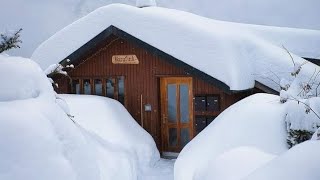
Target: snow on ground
column 39, row 141
column 299, row 163
column 256, row 122
column 246, row 52
column 248, row 141
column 162, row 170
column 234, row 164
column 108, row 119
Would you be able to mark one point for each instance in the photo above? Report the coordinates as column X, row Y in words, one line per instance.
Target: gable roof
column 90, row 47
column 235, row 54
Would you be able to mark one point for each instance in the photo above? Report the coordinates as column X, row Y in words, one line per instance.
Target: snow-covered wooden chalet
column 174, row 71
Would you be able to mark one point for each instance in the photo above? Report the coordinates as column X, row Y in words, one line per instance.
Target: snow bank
column 39, row 141
column 22, row 79
column 240, row 161
column 236, row 54
column 299, row 163
column 112, row 122
column 257, row 121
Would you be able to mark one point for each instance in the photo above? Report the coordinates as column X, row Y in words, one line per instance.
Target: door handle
column 164, row 118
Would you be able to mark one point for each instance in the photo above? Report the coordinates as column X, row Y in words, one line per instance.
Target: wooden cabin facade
column 168, row 98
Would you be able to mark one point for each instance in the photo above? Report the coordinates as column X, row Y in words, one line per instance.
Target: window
column 121, row 89
column 86, row 86
column 76, row 86
column 112, row 87
column 98, row 87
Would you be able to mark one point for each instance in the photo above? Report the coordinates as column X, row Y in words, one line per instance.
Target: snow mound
column 39, row 141
column 22, row 79
column 112, row 122
column 240, row 161
column 257, row 121
column 299, row 163
column 236, row 54
column 145, row 3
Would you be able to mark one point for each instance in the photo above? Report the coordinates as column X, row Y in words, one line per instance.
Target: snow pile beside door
column 39, row 141
column 248, row 140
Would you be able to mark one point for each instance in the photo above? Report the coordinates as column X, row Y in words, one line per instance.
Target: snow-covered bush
column 10, row 40
column 60, row 68
column 300, row 95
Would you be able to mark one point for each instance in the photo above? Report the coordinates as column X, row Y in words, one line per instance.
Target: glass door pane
column 184, row 103
column 172, row 102
column 184, row 136
column 173, row 137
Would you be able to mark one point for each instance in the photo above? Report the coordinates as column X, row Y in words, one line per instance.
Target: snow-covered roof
column 236, row 54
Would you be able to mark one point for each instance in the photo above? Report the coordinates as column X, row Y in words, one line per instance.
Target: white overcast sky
column 42, row 18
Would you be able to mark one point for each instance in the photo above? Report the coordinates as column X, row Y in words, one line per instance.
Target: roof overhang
column 112, row 30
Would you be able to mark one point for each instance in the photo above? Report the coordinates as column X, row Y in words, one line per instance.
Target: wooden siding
column 142, row 79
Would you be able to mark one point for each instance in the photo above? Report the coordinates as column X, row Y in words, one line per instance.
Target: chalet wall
column 142, row 79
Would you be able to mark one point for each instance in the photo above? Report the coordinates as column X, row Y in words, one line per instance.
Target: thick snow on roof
column 236, row 54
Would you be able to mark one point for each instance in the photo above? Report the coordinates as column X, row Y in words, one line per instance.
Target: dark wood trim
column 313, row 60
column 265, row 88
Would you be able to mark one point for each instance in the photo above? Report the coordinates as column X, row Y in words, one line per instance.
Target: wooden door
column 176, row 112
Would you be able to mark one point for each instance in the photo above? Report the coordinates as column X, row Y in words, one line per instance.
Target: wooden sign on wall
column 125, row 59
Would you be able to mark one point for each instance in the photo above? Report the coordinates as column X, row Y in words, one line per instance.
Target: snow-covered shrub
column 59, row 68
column 300, row 95
column 297, row 136
column 10, row 40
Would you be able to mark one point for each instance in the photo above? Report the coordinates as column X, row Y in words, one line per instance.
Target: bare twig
column 289, row 55
column 293, row 98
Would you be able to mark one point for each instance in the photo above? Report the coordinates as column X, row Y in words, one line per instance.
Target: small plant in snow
column 284, row 84
column 302, row 120
column 10, row 40
column 56, row 69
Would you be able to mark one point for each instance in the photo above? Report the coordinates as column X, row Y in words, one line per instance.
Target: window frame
column 104, row 86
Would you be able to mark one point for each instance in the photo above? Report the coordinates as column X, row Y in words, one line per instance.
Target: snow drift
column 111, row 121
column 236, row 54
column 299, row 163
column 256, row 122
column 241, row 161
column 39, row 141
column 248, row 141
column 22, row 79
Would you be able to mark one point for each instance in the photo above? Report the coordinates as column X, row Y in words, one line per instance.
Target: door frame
column 164, row 124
